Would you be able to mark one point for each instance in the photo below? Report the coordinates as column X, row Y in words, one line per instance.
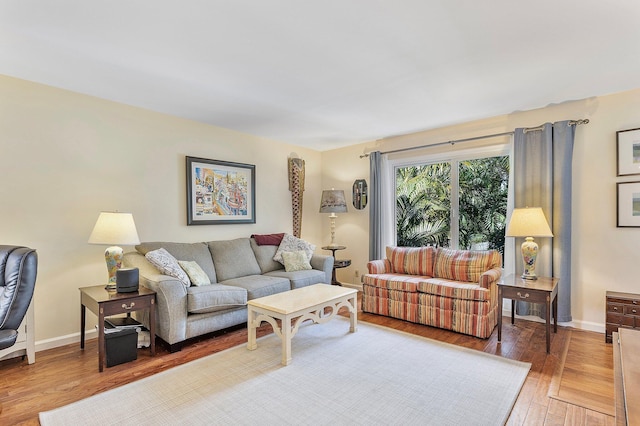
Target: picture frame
column 628, row 205
column 628, row 152
column 220, row 192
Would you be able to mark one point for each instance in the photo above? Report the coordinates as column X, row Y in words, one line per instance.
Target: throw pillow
column 196, row 274
column 268, row 239
column 295, row 261
column 168, row 265
column 291, row 243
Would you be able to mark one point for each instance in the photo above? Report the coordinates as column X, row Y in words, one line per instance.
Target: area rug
column 374, row 376
column 584, row 375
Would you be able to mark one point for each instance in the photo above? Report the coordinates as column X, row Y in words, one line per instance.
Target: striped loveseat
column 440, row 287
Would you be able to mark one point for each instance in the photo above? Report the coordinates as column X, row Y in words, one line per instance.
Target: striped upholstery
column 464, row 306
column 464, row 265
column 411, row 260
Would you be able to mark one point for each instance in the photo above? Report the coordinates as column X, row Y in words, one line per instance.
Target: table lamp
column 114, row 228
column 333, row 201
column 528, row 222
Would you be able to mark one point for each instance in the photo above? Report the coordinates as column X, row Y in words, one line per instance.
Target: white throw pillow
column 168, row 265
column 295, row 261
column 197, row 276
column 291, row 243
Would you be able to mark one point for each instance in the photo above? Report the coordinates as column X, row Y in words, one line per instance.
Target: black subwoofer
column 127, row 280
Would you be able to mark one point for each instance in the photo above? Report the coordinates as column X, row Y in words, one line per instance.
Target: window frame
column 454, row 157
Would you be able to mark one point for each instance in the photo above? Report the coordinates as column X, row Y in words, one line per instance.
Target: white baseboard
column 580, row 325
column 351, row 285
column 55, row 342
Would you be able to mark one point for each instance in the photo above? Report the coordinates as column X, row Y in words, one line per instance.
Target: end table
column 543, row 290
column 104, row 303
column 337, row 264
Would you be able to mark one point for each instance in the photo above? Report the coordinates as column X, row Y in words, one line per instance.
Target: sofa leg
column 176, row 347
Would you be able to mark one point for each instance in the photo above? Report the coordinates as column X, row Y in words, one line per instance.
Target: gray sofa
column 238, row 269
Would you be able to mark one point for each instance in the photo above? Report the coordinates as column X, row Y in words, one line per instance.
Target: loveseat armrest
column 323, row 263
column 171, row 298
column 381, row 266
column 490, row 277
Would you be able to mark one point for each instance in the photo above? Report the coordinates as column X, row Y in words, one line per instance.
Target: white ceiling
column 326, row 73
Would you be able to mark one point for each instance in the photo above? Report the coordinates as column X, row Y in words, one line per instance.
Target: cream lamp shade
column 333, row 201
column 115, row 229
column 529, row 222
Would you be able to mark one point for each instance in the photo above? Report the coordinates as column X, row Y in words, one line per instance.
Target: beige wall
column 604, row 257
column 65, row 157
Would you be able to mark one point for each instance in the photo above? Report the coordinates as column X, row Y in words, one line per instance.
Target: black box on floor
column 121, row 346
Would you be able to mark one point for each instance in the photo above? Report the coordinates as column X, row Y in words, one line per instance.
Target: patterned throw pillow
column 197, row 276
column 291, row 243
column 295, row 261
column 462, row 265
column 412, row 260
column 168, row 265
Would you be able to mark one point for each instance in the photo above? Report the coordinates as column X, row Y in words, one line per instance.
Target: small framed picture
column 628, row 152
column 220, row 192
column 628, row 214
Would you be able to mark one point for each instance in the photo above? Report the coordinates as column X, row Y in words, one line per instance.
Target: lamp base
column 113, row 256
column 529, row 256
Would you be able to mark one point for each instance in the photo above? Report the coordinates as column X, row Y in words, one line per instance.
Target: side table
column 543, row 290
column 337, row 264
column 105, row 303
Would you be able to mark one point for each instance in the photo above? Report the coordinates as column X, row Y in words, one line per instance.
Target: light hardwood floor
column 67, row 374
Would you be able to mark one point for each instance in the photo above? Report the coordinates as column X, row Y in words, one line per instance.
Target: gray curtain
column 542, row 178
column 376, row 243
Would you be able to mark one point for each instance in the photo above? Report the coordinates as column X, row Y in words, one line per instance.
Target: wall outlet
column 357, row 273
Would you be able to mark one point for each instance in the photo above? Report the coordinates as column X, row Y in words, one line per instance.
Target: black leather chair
column 18, row 270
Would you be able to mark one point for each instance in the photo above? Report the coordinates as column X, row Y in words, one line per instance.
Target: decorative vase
column 529, row 256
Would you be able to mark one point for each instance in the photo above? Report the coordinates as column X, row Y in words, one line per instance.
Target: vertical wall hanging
column 296, row 186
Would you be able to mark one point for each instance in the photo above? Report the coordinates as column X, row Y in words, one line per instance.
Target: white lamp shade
column 528, row 222
column 333, row 201
column 114, row 228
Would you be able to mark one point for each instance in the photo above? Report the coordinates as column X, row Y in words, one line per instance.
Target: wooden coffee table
column 296, row 306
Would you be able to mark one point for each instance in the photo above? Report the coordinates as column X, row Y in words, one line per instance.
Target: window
column 458, row 202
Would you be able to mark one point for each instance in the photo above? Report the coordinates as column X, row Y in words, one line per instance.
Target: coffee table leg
column 286, row 340
column 353, row 315
column 251, row 327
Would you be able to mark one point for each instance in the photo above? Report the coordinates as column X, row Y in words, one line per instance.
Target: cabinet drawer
column 525, row 295
column 623, row 301
column 125, row 306
column 631, row 310
column 615, row 307
column 619, row 319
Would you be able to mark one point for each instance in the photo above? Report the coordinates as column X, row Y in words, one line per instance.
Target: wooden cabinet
column 623, row 311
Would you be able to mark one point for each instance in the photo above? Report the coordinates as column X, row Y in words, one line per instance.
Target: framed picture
column 628, row 152
column 628, row 205
column 220, row 192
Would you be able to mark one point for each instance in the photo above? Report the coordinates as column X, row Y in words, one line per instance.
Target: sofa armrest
column 323, row 263
column 382, row 266
column 171, row 298
column 490, row 277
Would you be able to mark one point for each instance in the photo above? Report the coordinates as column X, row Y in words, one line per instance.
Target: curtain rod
column 453, row 142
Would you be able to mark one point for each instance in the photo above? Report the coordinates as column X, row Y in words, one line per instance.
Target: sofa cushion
column 215, row 297
column 300, row 278
column 260, row 285
column 462, row 265
column 453, row 289
column 198, row 252
column 168, row 265
column 233, row 259
column 402, row 282
column 291, row 243
column 295, row 261
column 411, row 260
column 195, row 272
column 264, row 255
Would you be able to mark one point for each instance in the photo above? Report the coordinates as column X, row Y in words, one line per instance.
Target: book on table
column 123, row 322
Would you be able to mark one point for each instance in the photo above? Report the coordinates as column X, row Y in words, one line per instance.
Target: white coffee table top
column 300, row 298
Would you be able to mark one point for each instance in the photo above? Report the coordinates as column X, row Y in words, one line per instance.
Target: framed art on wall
column 628, row 152
column 220, row 192
column 628, row 210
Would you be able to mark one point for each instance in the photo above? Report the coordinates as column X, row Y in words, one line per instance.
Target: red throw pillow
column 268, row 239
